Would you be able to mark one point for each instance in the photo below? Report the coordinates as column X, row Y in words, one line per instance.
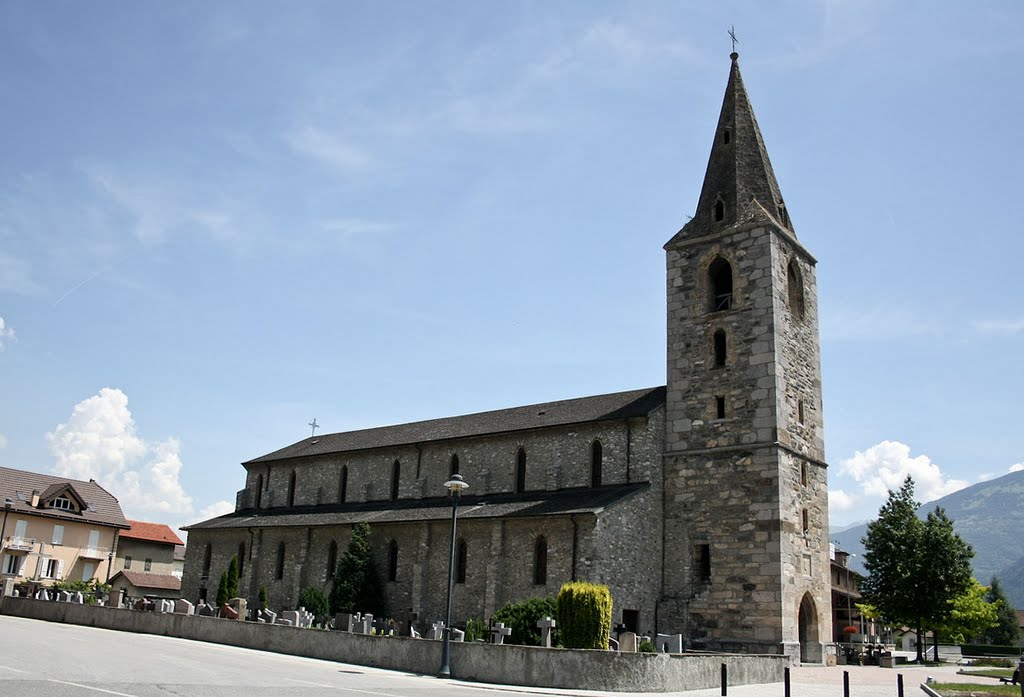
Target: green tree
column 222, row 590
column 357, row 586
column 314, row 601
column 233, row 578
column 1005, row 632
column 522, row 617
column 917, row 569
column 263, row 597
column 970, row 614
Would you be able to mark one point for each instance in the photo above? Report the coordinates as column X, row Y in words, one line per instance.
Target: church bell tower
column 746, row 497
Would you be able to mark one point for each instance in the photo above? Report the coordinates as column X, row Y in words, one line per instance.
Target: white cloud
column 999, row 326
column 6, row 333
column 884, row 466
column 100, row 441
column 218, row 508
column 839, row 501
column 328, row 148
column 1017, row 468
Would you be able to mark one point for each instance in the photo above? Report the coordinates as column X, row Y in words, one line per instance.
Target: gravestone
column 546, row 626
column 8, row 586
column 669, row 643
column 458, row 634
column 306, row 618
column 413, row 633
column 63, row 597
column 165, row 606
column 437, row 630
column 613, row 644
column 240, row 606
column 183, row 607
column 292, row 616
column 205, row 610
column 268, row 616
column 346, row 622
column 367, row 627
column 284, row 621
column 628, row 642
column 42, row 594
column 227, row 612
column 499, row 632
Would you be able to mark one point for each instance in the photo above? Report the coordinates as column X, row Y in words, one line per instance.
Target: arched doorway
column 810, row 644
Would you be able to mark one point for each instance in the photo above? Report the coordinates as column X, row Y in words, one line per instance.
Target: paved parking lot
column 44, row 658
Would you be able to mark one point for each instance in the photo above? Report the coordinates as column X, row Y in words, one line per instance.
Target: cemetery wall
column 519, row 665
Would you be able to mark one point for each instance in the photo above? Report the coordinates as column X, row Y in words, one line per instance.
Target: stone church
column 702, row 504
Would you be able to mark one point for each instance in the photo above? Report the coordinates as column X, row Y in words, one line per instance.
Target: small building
column 847, row 620
column 138, row 584
column 148, row 548
column 56, row 528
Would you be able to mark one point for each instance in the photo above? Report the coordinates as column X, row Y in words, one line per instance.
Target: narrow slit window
column 795, row 288
column 291, row 489
column 279, row 570
column 540, row 561
column 460, row 562
column 806, row 521
column 259, row 490
column 719, row 407
column 343, row 484
column 453, row 466
column 803, row 474
column 800, row 411
column 702, row 564
column 396, row 478
column 726, row 137
column 241, row 559
column 596, row 462
column 520, row 471
column 720, row 348
column 719, row 211
column 332, row 560
column 393, row 561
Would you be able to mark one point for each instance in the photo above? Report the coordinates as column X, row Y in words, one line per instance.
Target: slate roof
column 503, row 505
column 101, row 506
column 141, row 579
column 151, row 532
column 739, row 172
column 604, row 407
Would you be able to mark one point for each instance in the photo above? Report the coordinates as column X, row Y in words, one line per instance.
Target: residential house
column 56, row 528
column 146, row 562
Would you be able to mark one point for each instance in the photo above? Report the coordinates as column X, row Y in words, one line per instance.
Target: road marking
column 86, row 687
column 339, row 687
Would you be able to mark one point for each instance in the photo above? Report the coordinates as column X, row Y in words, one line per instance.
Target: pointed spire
column 739, row 185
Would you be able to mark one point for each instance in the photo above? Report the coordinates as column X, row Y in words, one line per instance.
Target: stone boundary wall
column 508, row 665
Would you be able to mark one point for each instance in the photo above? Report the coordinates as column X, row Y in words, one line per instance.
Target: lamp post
column 455, row 486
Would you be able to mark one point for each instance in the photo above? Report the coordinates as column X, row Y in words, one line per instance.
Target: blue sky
column 221, row 220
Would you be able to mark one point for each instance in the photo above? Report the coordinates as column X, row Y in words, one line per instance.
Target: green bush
column 475, row 629
column 522, row 617
column 263, row 597
column 315, row 602
column 585, row 615
column 647, row 646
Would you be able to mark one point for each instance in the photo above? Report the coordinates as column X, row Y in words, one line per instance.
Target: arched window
column 396, row 477
column 460, row 562
column 393, row 561
column 720, row 285
column 720, row 348
column 259, row 490
column 332, row 560
column 279, row 571
column 795, row 286
column 520, row 471
column 241, row 559
column 453, row 466
column 291, row 489
column 207, row 560
column 719, row 210
column 540, row 561
column 343, row 484
column 596, row 457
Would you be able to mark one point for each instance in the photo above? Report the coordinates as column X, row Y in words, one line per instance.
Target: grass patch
column 956, row 689
column 988, row 672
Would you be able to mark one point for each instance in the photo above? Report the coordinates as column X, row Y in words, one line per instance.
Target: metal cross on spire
column 314, row 425
column 732, row 35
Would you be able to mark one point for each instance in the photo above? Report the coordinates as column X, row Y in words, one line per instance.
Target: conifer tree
column 1006, row 632
column 232, row 585
column 222, row 590
column 357, row 586
column 916, row 569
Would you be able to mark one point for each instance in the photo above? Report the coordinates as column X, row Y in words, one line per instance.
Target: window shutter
column 21, row 565
column 60, row 569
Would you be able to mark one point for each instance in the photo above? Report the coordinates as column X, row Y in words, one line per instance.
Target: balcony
column 93, row 553
column 19, row 544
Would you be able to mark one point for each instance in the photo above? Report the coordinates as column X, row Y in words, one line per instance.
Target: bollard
column 725, row 676
column 785, row 678
column 899, row 684
column 846, row 683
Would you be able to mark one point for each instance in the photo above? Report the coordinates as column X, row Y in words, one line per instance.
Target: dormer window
column 63, row 503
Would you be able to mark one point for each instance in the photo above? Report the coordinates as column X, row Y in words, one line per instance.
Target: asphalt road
column 45, row 658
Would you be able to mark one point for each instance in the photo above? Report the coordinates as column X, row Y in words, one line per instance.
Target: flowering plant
column 850, row 630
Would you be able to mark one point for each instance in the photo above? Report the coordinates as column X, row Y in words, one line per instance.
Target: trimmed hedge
column 990, row 650
column 584, row 615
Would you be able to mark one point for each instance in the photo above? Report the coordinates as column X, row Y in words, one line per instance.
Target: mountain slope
column 988, row 515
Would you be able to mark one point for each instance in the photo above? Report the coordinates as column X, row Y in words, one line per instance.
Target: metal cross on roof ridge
column 314, row 425
column 732, row 35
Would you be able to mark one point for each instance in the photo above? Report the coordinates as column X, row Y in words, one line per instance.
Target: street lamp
column 455, row 486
